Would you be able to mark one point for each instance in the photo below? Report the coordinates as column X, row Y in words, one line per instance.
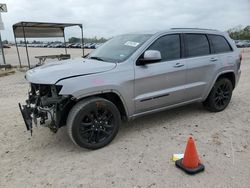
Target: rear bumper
column 237, row 77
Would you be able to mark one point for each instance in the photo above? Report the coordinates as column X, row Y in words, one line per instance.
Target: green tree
column 87, row 40
column 240, row 33
column 74, row 40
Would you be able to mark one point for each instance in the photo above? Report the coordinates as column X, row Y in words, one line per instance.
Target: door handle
column 177, row 65
column 213, row 59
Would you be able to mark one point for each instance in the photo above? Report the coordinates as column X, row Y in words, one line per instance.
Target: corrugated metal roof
column 41, row 29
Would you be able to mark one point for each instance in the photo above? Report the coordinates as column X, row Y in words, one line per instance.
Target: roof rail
column 194, row 28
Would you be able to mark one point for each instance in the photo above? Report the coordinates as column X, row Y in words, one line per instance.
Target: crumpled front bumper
column 45, row 107
column 26, row 114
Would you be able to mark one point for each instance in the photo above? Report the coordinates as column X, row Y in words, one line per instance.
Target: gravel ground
column 139, row 157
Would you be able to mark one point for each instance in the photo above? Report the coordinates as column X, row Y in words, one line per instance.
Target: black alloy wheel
column 220, row 95
column 96, row 125
column 93, row 123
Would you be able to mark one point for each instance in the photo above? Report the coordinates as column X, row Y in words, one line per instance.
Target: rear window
column 197, row 45
column 219, row 43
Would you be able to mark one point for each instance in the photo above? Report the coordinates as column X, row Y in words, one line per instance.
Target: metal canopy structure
column 41, row 30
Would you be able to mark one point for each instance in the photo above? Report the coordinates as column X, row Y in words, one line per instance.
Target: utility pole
column 3, row 8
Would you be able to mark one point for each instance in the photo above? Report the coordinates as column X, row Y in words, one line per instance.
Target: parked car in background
column 242, row 43
column 98, row 45
column 76, row 45
column 69, row 45
column 87, row 45
column 44, row 45
column 50, row 45
column 90, row 45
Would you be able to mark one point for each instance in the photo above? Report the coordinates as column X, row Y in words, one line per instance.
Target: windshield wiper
column 97, row 58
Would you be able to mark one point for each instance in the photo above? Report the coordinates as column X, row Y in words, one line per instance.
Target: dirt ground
column 139, row 157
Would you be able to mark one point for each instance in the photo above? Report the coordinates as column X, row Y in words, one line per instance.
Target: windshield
column 119, row 48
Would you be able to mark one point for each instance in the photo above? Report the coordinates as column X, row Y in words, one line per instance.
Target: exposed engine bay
column 45, row 107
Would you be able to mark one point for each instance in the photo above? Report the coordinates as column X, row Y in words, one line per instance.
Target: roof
column 190, row 30
column 195, row 28
column 41, row 29
column 178, row 30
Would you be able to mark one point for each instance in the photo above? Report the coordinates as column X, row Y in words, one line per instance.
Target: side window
column 197, row 45
column 219, row 44
column 169, row 46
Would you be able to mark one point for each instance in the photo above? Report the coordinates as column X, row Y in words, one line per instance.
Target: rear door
column 162, row 83
column 222, row 49
column 201, row 64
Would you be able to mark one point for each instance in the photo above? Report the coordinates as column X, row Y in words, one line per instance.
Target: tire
column 220, row 95
column 93, row 123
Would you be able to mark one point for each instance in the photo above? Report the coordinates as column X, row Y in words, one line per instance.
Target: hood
column 53, row 72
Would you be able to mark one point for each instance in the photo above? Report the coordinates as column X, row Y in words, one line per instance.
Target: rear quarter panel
column 228, row 62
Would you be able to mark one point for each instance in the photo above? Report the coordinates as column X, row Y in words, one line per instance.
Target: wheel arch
column 225, row 74
column 112, row 96
column 229, row 75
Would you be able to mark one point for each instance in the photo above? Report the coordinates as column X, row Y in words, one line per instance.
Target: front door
column 162, row 83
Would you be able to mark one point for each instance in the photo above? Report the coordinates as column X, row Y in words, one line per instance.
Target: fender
column 80, row 97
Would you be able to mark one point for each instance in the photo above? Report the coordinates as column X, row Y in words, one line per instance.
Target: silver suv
column 129, row 76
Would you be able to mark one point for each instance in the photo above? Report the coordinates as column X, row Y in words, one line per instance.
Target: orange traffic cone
column 190, row 163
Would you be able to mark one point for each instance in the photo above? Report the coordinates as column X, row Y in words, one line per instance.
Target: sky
column 107, row 18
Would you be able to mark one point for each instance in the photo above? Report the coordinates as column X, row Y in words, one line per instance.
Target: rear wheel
column 93, row 123
column 220, row 95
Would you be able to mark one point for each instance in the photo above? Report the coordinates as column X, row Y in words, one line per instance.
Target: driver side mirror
column 150, row 56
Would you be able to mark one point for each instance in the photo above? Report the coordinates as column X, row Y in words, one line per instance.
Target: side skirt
column 163, row 108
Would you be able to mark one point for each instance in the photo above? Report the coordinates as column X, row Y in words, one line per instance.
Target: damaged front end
column 46, row 107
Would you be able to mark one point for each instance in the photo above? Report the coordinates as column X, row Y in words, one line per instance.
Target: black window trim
column 213, row 51
column 182, row 53
column 186, row 45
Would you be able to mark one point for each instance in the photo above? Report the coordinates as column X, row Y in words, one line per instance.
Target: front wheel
column 93, row 123
column 220, row 95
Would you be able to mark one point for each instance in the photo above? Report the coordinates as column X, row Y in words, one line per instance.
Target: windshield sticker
column 133, row 44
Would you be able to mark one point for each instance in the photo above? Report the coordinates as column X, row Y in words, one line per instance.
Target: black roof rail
column 194, row 28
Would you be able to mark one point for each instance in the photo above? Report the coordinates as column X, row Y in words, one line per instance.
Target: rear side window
column 169, row 46
column 219, row 44
column 197, row 45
